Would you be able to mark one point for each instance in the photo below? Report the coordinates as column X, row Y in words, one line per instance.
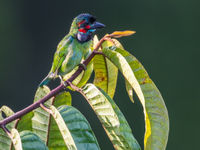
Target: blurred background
column 166, row 42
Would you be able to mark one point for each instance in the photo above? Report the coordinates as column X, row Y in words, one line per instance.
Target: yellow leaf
column 118, row 34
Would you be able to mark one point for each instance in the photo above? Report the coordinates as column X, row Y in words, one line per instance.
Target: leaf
column 86, row 75
column 82, row 78
column 95, row 41
column 63, row 98
column 111, row 117
column 8, row 112
column 155, row 111
column 76, row 80
column 105, row 72
column 129, row 90
column 53, row 134
column 31, row 141
column 41, row 122
column 16, row 140
column 118, row 34
column 124, row 67
column 5, row 141
column 63, row 129
column 79, row 128
column 25, row 123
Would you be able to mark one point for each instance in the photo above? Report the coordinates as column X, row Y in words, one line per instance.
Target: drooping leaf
column 41, row 122
column 82, row 78
column 95, row 41
column 41, row 119
column 129, row 90
column 31, row 141
column 25, row 123
column 5, row 141
column 155, row 111
column 105, row 72
column 67, row 137
column 124, row 67
column 79, row 128
column 16, row 140
column 77, row 79
column 55, row 139
column 118, row 34
column 63, row 98
column 7, row 111
column 86, row 75
column 111, row 118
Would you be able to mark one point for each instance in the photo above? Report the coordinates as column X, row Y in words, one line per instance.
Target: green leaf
column 63, row 98
column 31, row 141
column 5, row 141
column 25, row 123
column 111, row 117
column 41, row 119
column 82, row 78
column 55, row 139
column 86, row 75
column 16, row 140
column 155, row 111
column 69, row 141
column 42, row 123
column 105, row 72
column 79, row 128
column 129, row 90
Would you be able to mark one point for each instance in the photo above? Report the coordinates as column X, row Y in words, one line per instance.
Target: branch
column 53, row 92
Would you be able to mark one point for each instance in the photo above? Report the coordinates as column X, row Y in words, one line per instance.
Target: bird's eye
column 92, row 19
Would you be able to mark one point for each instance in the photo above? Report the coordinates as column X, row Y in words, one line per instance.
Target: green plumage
column 73, row 48
column 69, row 54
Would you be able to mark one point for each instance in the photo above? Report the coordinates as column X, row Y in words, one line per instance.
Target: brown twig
column 53, row 92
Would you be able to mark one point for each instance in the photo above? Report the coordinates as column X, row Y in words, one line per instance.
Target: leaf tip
column 118, row 34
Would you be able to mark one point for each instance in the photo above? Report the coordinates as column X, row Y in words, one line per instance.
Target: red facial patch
column 82, row 30
column 87, row 27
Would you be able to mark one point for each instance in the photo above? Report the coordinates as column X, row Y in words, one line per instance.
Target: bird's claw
column 63, row 82
column 83, row 66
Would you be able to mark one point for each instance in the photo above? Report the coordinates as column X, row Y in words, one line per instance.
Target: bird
column 74, row 47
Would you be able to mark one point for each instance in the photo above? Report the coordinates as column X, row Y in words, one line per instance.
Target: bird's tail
column 46, row 80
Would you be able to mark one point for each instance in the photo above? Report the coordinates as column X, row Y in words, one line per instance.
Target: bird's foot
column 62, row 81
column 83, row 66
column 68, row 83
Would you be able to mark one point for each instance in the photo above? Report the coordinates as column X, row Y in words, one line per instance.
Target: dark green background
column 167, row 44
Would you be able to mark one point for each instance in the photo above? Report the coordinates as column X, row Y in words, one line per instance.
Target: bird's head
column 83, row 27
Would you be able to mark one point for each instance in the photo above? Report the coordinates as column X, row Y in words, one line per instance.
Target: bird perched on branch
column 74, row 47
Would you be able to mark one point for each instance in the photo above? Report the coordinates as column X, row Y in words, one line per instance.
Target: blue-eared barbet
column 74, row 47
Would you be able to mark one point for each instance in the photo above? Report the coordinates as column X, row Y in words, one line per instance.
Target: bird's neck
column 81, row 37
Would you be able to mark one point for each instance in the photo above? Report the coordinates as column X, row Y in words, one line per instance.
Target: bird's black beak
column 97, row 25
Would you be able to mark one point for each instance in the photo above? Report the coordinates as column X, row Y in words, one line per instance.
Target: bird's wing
column 60, row 54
